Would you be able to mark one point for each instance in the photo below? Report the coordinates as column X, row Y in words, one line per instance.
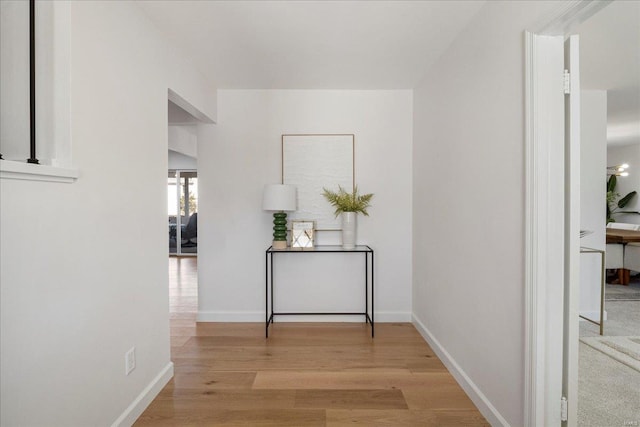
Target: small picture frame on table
column 302, row 234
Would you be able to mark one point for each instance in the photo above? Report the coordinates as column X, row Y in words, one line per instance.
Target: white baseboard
column 475, row 394
column 140, row 403
column 593, row 315
column 253, row 316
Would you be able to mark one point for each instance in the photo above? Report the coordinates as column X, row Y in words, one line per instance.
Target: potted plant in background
column 615, row 203
column 348, row 205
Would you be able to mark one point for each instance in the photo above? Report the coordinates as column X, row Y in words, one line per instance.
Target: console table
column 368, row 281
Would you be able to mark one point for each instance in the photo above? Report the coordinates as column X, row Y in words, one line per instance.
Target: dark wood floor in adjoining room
column 305, row 374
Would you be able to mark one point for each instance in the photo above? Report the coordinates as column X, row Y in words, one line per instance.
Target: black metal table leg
column 266, row 294
column 271, row 262
column 366, row 287
column 372, row 294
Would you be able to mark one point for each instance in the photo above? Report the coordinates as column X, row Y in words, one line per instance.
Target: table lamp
column 279, row 198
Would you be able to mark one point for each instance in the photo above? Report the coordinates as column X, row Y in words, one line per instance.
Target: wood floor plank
column 212, row 380
column 354, row 399
column 402, row 418
column 178, row 341
column 182, row 331
column 310, row 341
column 426, row 364
column 378, row 418
column 352, row 364
column 203, row 366
column 252, row 417
column 188, row 402
column 347, row 380
column 336, row 352
column 443, row 394
column 455, row 418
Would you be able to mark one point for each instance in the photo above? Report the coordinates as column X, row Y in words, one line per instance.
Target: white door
column 572, row 230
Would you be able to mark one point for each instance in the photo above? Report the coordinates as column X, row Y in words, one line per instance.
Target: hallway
column 305, row 374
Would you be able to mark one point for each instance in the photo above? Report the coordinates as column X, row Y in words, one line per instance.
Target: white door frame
column 544, row 210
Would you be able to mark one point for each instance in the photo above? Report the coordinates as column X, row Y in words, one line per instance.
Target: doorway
column 552, row 263
column 184, row 121
column 608, row 383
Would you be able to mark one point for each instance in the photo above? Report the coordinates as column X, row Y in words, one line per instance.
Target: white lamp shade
column 279, row 197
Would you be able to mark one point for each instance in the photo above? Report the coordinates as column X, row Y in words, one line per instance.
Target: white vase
column 349, row 228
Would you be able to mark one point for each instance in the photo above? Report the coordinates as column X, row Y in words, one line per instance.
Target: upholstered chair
column 615, row 256
column 632, row 256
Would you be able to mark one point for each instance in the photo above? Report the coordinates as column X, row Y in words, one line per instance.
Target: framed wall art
column 312, row 162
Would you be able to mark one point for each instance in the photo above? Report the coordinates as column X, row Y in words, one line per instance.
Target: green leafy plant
column 344, row 201
column 615, row 203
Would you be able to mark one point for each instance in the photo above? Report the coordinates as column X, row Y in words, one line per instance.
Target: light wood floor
column 305, row 374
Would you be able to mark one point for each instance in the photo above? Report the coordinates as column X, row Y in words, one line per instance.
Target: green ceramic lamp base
column 279, row 230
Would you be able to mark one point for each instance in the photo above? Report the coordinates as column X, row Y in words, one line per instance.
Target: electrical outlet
column 130, row 361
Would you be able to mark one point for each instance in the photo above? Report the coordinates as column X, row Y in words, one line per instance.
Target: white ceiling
column 312, row 44
column 375, row 45
column 610, row 60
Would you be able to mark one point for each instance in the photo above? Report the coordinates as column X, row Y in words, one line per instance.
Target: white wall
column 630, row 154
column 184, row 139
column 236, row 232
column 84, row 265
column 469, row 180
column 593, row 189
column 180, row 161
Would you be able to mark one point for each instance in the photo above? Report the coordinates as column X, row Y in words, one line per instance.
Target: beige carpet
column 608, row 388
column 623, row 293
column 623, row 349
column 608, row 391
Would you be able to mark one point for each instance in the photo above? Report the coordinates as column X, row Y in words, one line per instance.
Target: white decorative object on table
column 349, row 229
